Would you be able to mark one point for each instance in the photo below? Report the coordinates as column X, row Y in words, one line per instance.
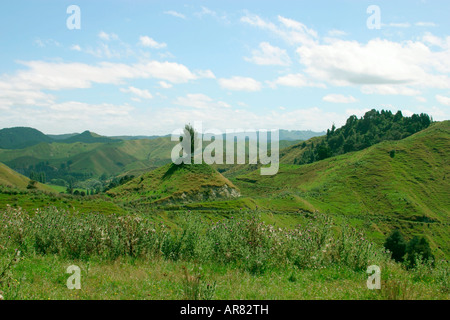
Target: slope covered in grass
column 10, row 178
column 173, row 183
column 403, row 184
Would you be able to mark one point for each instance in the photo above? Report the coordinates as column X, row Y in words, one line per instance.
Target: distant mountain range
column 23, row 137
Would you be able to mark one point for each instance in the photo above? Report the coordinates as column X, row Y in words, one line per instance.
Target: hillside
column 21, row 137
column 357, row 134
column 10, row 178
column 176, row 184
column 402, row 184
column 87, row 137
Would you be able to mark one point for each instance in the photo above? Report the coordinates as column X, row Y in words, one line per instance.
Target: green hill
column 87, row 137
column 21, row 137
column 395, row 184
column 10, row 178
column 177, row 184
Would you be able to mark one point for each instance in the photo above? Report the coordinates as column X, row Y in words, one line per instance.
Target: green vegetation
column 358, row 134
column 203, row 259
column 380, row 193
column 11, row 178
column 118, row 207
column 176, row 183
column 21, row 137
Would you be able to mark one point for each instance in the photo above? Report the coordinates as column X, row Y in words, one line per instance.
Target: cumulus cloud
column 165, row 85
column 379, row 62
column 175, row 14
column 200, row 101
column 291, row 31
column 75, row 47
column 297, row 80
column 269, row 55
column 425, row 24
column 443, row 100
column 108, row 36
column 141, row 93
column 149, row 42
column 240, row 84
column 339, row 98
column 390, row 90
column 71, row 116
column 27, row 86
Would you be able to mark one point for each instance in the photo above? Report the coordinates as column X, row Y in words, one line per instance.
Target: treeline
column 357, row 134
column 44, row 172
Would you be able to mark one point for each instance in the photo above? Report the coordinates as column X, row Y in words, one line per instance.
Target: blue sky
column 149, row 67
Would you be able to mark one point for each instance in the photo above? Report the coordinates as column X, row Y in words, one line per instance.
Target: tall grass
column 244, row 241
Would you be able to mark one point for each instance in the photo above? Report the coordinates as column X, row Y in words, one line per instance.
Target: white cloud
column 75, row 47
column 206, row 11
column 399, row 24
column 107, row 36
column 337, row 33
column 389, row 90
column 165, row 85
column 425, row 24
column 72, row 116
column 175, row 14
column 293, row 32
column 443, row 100
column 379, row 62
column 206, row 74
column 269, row 55
column 200, row 101
column 294, row 80
column 421, row 99
column 240, row 84
column 142, row 93
column 339, row 98
column 26, row 87
column 149, row 42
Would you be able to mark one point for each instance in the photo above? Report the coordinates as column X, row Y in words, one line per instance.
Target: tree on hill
column 189, row 133
column 357, row 134
column 396, row 244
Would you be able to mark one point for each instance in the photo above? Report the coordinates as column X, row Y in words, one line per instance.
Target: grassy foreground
column 242, row 257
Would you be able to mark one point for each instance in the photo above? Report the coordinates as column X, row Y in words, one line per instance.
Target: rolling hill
column 394, row 184
column 21, row 137
column 87, row 137
column 171, row 184
column 10, row 178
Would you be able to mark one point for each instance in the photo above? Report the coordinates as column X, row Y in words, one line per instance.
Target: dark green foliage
column 32, row 185
column 396, row 244
column 418, row 249
column 118, row 182
column 357, row 134
column 21, row 137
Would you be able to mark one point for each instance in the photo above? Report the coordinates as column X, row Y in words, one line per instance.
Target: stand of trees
column 358, row 134
column 408, row 252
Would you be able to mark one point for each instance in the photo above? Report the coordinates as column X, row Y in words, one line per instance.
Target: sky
column 149, row 67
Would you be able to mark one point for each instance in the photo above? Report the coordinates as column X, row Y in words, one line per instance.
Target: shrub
column 396, row 244
column 418, row 248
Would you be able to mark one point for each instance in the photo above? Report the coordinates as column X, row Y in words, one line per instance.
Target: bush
column 396, row 244
column 418, row 249
column 245, row 242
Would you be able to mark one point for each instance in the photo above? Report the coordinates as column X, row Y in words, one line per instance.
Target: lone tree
column 396, row 244
column 190, row 132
